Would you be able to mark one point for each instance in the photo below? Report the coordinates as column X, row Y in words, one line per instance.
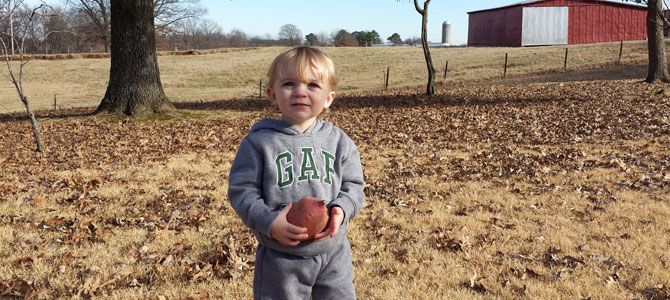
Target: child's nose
column 301, row 90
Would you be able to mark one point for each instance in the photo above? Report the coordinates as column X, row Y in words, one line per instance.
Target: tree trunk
column 658, row 68
column 430, row 87
column 33, row 123
column 134, row 81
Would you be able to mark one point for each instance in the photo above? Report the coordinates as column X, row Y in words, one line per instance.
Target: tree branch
column 664, row 19
column 418, row 8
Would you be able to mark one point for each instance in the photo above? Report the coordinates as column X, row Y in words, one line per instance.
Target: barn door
column 544, row 26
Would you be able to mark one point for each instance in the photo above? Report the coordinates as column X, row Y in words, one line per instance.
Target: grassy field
column 236, row 74
column 546, row 185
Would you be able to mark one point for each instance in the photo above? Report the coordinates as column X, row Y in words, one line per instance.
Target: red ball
column 310, row 213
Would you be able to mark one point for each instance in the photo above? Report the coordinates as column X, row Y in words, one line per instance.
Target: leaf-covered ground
column 537, row 190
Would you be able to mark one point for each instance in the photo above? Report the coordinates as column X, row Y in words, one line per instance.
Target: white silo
column 446, row 33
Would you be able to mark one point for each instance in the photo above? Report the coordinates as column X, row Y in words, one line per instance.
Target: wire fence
column 359, row 69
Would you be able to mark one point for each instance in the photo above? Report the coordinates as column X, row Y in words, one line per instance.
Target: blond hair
column 304, row 58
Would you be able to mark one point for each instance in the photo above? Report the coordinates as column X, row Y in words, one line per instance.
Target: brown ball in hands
column 310, row 213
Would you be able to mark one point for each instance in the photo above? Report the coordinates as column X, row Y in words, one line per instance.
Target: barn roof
column 521, row 3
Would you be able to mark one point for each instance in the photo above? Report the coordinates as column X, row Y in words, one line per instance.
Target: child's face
column 300, row 102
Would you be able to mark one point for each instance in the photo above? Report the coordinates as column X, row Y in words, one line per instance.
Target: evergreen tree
column 395, row 39
column 311, row 40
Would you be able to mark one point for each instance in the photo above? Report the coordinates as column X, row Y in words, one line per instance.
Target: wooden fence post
column 565, row 60
column 55, row 106
column 386, row 80
column 620, row 51
column 260, row 88
column 446, row 67
column 505, row 69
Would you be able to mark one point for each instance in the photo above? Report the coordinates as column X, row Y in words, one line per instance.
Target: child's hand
column 334, row 222
column 285, row 232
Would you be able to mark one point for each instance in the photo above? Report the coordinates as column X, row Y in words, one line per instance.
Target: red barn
column 557, row 22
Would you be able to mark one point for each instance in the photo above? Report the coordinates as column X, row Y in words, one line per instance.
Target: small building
column 557, row 22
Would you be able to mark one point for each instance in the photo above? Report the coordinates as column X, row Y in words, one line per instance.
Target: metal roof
column 633, row 4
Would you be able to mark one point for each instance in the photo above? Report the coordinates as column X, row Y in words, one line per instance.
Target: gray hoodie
column 276, row 164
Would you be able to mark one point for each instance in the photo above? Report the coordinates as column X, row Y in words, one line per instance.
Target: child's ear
column 271, row 95
column 329, row 99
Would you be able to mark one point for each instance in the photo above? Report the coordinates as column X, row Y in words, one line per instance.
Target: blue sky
column 260, row 17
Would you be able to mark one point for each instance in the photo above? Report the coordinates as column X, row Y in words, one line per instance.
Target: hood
column 284, row 127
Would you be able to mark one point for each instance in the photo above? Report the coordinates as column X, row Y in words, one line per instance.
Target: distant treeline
column 83, row 26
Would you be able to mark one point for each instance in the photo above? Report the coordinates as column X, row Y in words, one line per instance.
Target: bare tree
column 168, row 15
column 237, row 38
column 264, row 40
column 430, row 87
column 97, row 12
column 211, row 34
column 26, row 29
column 187, row 32
column 81, row 35
column 291, row 34
column 324, row 38
column 423, row 11
column 17, row 79
column 60, row 38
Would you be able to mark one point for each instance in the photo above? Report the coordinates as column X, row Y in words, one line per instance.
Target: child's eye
column 313, row 85
column 288, row 83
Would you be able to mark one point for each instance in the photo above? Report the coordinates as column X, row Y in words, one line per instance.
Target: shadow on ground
column 388, row 101
column 50, row 114
column 413, row 96
column 409, row 97
column 609, row 72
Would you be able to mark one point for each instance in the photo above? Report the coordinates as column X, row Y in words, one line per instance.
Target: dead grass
column 129, row 209
column 465, row 240
column 80, row 80
column 546, row 246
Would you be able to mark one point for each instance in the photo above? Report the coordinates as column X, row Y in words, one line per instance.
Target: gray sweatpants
column 283, row 276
